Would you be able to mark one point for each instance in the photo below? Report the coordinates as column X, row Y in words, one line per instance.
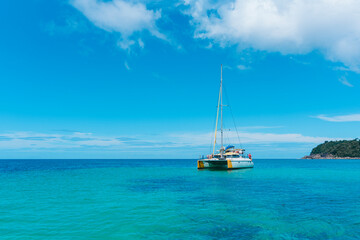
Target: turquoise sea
column 171, row 199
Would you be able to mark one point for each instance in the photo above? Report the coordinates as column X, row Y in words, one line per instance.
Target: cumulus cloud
column 341, row 118
column 121, row 17
column 285, row 26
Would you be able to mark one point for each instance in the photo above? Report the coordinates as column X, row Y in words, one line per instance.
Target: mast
column 222, row 134
column 219, row 108
column 217, row 116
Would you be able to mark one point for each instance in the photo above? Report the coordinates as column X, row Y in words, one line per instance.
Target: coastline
column 330, row 156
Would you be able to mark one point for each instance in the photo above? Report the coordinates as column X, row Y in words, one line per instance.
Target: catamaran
column 226, row 157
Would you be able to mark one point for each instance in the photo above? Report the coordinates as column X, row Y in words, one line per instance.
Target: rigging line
column 232, row 115
column 212, row 135
column 227, row 137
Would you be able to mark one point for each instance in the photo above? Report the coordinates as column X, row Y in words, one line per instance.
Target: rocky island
column 344, row 149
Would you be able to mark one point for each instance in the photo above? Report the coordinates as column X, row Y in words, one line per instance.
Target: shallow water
column 171, row 199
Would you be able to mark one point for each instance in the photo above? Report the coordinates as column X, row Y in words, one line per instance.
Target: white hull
column 225, row 164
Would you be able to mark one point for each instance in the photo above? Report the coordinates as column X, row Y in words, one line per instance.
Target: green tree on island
column 343, row 148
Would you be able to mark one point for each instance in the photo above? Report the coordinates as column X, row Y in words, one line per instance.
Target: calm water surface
column 171, row 199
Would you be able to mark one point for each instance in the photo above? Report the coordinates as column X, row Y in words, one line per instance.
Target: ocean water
column 171, row 199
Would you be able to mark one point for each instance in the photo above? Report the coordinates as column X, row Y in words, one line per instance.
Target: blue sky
column 139, row 79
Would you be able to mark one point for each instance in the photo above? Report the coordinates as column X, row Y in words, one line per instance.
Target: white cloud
column 127, row 65
column 141, row 43
column 122, row 17
column 285, row 26
column 344, row 81
column 258, row 127
column 342, row 118
column 76, row 140
column 243, row 67
column 249, row 137
column 31, row 140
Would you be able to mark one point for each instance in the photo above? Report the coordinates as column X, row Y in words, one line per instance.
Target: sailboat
column 227, row 157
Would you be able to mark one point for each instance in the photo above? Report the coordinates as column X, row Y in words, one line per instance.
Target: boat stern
column 200, row 164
